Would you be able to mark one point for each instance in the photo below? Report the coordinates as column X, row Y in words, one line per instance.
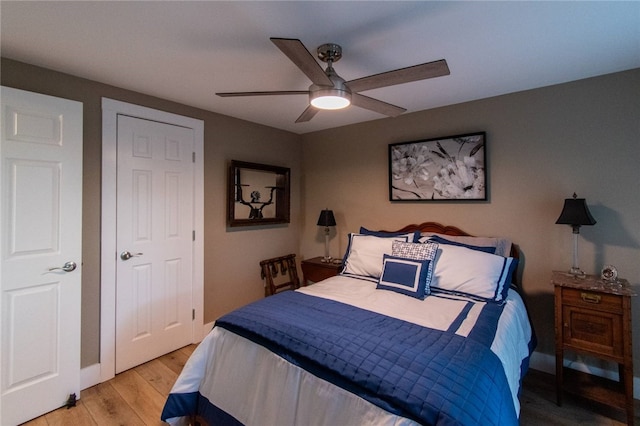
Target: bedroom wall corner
column 232, row 273
column 542, row 145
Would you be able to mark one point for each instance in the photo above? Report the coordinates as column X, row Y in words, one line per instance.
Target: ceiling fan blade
column 399, row 76
column 376, row 105
column 302, row 58
column 287, row 92
column 307, row 114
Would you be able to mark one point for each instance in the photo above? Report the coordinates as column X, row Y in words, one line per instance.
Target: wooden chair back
column 285, row 266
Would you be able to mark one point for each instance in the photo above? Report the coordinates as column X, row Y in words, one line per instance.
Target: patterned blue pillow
column 404, row 276
column 426, row 251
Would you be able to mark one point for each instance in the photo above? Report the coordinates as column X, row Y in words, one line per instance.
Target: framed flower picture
column 439, row 169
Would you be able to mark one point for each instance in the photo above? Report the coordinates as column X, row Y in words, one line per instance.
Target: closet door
column 40, row 262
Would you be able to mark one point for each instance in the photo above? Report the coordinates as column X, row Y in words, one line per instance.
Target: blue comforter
column 430, row 376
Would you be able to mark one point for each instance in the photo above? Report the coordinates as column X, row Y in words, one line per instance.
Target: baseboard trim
column 90, row 376
column 547, row 364
column 206, row 329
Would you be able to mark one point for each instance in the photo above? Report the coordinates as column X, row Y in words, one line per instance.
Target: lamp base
column 575, row 271
column 327, row 257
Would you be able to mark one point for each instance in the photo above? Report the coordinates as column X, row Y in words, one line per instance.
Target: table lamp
column 575, row 213
column 326, row 219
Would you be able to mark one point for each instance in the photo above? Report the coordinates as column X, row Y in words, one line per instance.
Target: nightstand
column 594, row 317
column 315, row 270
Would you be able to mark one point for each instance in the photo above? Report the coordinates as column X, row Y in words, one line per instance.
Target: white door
column 154, row 240
column 41, row 223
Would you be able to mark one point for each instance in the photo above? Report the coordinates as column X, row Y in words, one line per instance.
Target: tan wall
column 232, row 256
column 542, row 145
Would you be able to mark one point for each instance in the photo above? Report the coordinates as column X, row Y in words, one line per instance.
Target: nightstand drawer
column 592, row 300
column 315, row 270
column 318, row 274
column 594, row 331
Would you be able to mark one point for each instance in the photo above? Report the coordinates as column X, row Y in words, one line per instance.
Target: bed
column 424, row 325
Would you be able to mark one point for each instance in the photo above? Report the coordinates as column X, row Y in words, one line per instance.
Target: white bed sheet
column 258, row 387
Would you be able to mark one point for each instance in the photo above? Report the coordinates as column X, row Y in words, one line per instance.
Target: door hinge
column 193, row 235
column 193, row 315
column 193, row 157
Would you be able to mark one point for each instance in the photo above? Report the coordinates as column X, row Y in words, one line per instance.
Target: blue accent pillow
column 413, row 236
column 404, row 276
column 418, row 251
column 440, row 240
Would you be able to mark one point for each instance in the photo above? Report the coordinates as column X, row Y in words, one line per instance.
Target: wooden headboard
column 435, row 227
column 446, row 230
column 454, row 231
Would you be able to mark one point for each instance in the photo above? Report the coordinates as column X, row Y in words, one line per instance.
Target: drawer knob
column 590, row 297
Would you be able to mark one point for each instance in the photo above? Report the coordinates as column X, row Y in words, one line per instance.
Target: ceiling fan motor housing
column 329, row 52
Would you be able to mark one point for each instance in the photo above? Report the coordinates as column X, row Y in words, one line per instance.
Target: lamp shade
column 575, row 213
column 326, row 218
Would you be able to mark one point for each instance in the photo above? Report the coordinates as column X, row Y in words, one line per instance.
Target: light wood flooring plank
column 158, row 375
column 175, row 360
column 107, row 407
column 140, row 395
column 188, row 350
column 77, row 415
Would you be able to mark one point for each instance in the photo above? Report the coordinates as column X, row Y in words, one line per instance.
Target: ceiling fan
column 330, row 91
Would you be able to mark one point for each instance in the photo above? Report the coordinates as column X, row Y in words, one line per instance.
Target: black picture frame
column 439, row 169
column 257, row 194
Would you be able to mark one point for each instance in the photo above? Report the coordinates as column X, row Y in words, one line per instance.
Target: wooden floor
column 136, row 397
column 132, row 398
column 538, row 406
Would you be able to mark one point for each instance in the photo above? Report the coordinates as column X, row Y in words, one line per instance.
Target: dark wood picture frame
column 257, row 194
column 439, row 169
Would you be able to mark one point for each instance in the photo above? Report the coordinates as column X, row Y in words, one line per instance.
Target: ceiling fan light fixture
column 337, row 96
column 330, row 99
column 329, row 91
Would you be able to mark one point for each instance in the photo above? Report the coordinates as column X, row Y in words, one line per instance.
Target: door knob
column 67, row 267
column 125, row 255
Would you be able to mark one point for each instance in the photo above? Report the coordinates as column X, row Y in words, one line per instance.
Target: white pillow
column 472, row 273
column 365, row 253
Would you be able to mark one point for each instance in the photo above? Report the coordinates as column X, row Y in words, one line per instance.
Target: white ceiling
column 188, row 51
